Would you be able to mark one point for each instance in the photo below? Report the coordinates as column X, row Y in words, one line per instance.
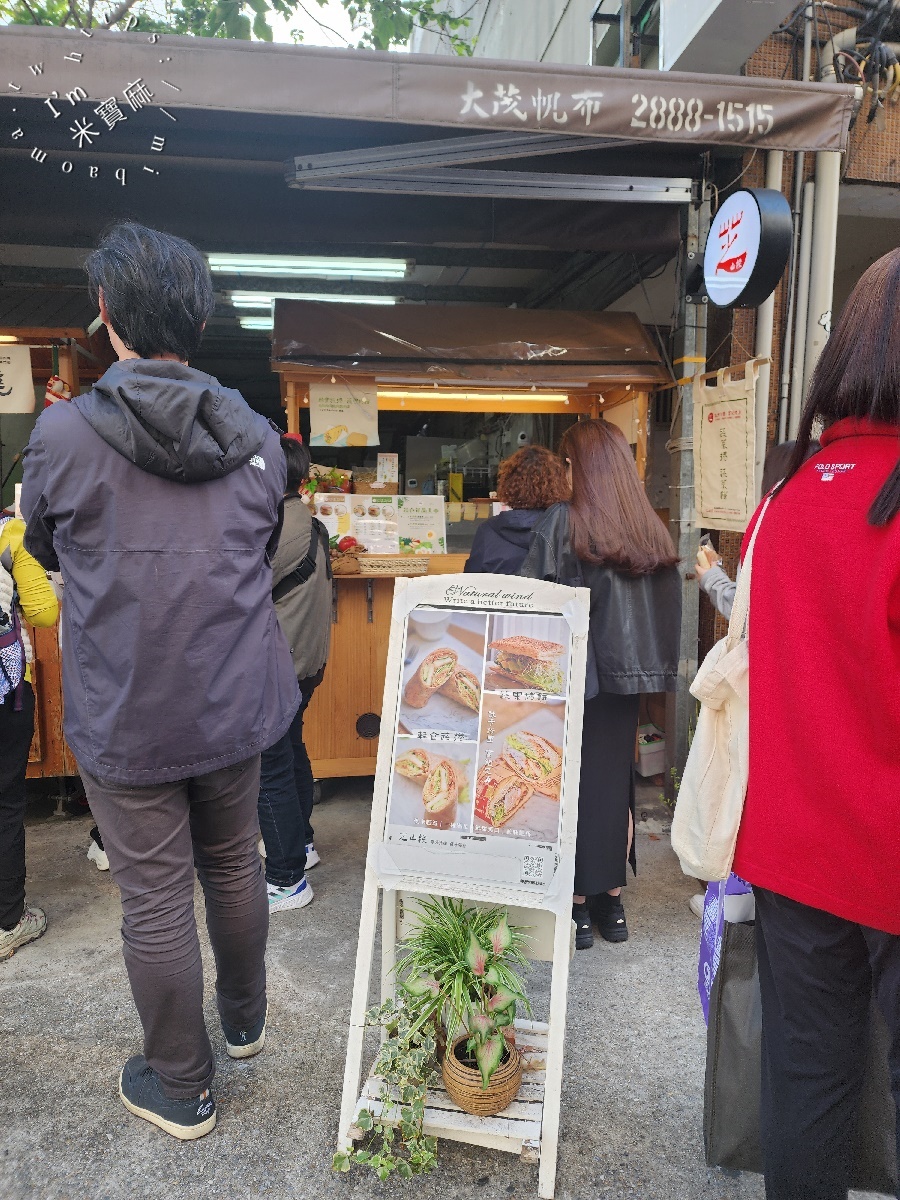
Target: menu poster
column 481, row 741
column 388, row 469
column 340, row 415
column 422, row 524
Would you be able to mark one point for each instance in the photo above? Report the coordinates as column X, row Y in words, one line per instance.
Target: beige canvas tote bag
column 714, row 784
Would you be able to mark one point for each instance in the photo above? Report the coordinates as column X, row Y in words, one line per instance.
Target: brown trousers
column 154, row 838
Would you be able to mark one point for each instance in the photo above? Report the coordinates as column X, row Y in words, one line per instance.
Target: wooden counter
column 341, row 725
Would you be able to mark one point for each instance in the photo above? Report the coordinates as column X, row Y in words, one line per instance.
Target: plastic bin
column 651, row 755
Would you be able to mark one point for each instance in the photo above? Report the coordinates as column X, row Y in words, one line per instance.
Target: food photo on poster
column 442, row 673
column 432, row 785
column 520, row 763
column 528, row 652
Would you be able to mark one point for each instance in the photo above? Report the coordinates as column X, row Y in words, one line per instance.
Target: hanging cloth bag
column 714, row 785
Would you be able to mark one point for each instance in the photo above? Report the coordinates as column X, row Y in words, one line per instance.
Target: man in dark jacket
column 158, row 495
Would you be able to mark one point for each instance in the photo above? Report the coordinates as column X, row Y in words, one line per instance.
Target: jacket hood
column 172, row 421
column 516, row 525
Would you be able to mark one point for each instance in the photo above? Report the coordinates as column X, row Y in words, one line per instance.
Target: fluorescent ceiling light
column 257, row 322
column 264, row 299
column 315, row 267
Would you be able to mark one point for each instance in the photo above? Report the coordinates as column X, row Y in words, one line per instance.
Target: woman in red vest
column 820, row 836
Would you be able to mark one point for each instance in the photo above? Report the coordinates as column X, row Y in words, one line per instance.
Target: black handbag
column 731, row 1094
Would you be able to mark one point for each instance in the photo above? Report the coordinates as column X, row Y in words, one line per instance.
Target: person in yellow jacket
column 25, row 591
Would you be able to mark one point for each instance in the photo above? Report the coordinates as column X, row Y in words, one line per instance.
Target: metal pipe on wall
column 823, row 252
column 789, row 342
column 802, row 291
column 765, row 327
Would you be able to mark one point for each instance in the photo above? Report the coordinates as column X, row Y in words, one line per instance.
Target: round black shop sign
column 748, row 248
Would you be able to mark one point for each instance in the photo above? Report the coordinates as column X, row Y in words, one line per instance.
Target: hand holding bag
column 714, row 785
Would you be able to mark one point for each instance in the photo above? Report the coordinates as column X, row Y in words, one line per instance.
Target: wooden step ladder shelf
column 516, row 1130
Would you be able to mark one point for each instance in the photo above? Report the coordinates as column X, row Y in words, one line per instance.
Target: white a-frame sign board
column 479, row 666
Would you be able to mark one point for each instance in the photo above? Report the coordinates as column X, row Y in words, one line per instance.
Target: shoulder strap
column 302, row 572
column 740, row 612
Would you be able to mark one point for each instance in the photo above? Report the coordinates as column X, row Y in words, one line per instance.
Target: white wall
column 527, row 30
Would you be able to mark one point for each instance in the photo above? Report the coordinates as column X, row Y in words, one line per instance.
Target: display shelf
column 516, row 1130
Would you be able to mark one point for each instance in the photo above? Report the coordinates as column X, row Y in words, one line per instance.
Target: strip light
column 313, row 267
column 257, row 322
column 266, row 299
column 499, row 397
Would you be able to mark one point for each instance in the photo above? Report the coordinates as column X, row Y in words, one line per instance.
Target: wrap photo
column 431, row 787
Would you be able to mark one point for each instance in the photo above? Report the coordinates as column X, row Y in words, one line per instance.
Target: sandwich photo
column 432, row 673
column 414, row 764
column 334, row 434
column 528, row 661
column 440, row 795
column 499, row 794
column 464, row 688
column 535, row 759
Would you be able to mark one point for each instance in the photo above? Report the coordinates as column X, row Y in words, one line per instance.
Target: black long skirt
column 606, row 792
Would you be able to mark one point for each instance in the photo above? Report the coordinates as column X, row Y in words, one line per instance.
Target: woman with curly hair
column 530, row 481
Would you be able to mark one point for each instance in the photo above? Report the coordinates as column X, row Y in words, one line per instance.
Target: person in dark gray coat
column 301, row 575
column 158, row 494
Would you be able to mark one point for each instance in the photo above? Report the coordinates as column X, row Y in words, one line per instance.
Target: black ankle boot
column 584, row 935
column 609, row 916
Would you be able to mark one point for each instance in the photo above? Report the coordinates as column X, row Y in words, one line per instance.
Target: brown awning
column 410, row 89
column 447, row 342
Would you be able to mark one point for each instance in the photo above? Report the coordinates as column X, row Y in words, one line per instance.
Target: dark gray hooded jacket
column 158, row 495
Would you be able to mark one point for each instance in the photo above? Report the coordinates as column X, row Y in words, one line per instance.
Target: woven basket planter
column 463, row 1083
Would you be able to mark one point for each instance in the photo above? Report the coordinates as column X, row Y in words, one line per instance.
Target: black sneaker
column 244, row 1043
column 609, row 915
column 142, row 1095
column 584, row 935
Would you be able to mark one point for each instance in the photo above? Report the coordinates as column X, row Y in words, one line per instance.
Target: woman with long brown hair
column 609, row 539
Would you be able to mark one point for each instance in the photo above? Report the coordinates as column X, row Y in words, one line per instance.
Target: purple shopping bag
column 711, row 933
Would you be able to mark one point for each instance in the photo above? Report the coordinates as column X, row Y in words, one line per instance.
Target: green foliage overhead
column 377, row 24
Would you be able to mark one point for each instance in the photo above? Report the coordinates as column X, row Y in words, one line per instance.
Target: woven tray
column 392, row 564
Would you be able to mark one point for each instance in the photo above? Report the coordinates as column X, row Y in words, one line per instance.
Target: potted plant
column 463, row 968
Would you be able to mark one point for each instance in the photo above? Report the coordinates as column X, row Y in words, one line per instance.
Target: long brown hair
column 858, row 372
column 612, row 522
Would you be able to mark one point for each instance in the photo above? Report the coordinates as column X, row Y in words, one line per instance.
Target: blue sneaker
column 142, row 1095
column 312, row 856
column 298, row 895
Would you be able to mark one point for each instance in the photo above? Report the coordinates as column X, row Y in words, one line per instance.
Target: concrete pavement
column 632, row 1099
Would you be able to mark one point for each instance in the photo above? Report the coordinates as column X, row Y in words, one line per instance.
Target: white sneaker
column 312, row 856
column 96, row 853
column 32, row 924
column 696, row 903
column 297, row 896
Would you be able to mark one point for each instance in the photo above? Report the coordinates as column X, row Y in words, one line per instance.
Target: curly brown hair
column 533, row 477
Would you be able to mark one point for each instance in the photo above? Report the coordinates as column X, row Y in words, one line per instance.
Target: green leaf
column 262, row 29
column 422, row 985
column 340, row 1162
column 481, row 1025
column 364, row 1120
column 488, row 1055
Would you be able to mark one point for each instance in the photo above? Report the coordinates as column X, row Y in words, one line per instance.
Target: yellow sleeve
column 37, row 598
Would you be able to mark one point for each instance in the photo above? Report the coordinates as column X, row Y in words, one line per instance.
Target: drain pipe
column 824, row 233
column 789, row 344
column 802, row 290
column 765, row 326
